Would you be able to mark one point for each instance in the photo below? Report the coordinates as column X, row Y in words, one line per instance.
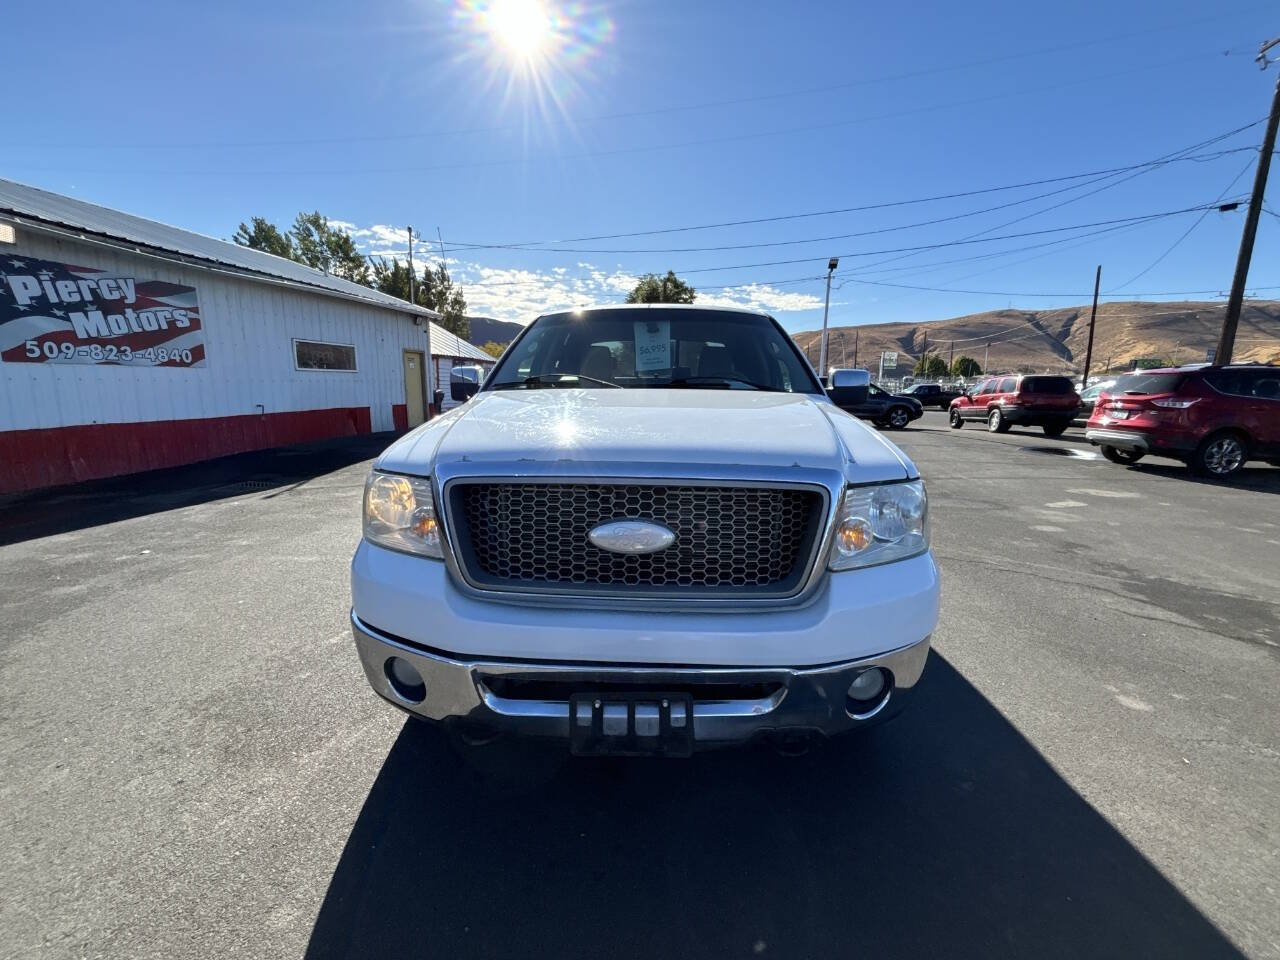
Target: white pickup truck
column 650, row 532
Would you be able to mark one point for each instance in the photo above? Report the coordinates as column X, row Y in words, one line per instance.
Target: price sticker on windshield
column 653, row 345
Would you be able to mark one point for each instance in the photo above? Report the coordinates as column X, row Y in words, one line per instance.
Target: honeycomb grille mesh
column 535, row 534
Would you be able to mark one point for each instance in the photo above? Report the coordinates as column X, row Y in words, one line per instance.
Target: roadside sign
column 889, row 360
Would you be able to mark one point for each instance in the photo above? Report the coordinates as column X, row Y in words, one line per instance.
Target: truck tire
column 957, row 421
column 898, row 418
column 1220, row 455
column 1123, row 457
column 996, row 422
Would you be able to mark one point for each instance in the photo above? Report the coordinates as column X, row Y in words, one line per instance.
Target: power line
column 1145, row 218
column 862, row 208
column 720, row 248
column 1160, row 161
column 928, row 246
column 1186, row 233
column 954, row 243
column 1007, row 293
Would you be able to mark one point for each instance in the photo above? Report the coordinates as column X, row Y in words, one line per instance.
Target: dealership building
column 128, row 345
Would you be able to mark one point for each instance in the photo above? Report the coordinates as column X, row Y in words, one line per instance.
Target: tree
column 433, row 289
column 668, row 289
column 966, row 367
column 931, row 365
column 327, row 248
column 264, row 235
column 393, row 279
column 446, row 299
column 493, row 348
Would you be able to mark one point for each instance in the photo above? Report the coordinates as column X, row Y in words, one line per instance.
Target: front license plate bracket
column 640, row 724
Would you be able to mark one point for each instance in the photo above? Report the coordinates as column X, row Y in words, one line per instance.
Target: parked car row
column 1050, row 403
column 1214, row 419
column 932, row 394
column 867, row 401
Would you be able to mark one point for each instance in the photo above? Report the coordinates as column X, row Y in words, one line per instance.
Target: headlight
column 879, row 524
column 400, row 513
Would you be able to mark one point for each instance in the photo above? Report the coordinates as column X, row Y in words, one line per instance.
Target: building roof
column 21, row 202
column 446, row 344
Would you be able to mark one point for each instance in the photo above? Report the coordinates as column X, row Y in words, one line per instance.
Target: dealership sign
column 59, row 313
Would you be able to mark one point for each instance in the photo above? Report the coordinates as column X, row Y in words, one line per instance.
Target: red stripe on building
column 400, row 417
column 30, row 459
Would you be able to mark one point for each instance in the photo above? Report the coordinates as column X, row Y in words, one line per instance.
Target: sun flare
column 522, row 26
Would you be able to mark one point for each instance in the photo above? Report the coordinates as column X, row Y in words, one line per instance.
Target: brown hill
column 1053, row 341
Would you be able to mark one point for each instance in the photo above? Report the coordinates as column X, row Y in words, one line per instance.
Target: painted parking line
column 1113, row 494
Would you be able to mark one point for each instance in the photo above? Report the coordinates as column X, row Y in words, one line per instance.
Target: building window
column 311, row 355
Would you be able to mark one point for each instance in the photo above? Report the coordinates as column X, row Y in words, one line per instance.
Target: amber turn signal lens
column 853, row 536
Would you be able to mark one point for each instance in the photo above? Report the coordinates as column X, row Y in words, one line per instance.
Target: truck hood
column 627, row 432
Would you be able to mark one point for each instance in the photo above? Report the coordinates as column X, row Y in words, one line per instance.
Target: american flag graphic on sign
column 60, row 313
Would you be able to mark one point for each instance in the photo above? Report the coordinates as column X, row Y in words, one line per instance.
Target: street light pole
column 822, row 357
column 1227, row 342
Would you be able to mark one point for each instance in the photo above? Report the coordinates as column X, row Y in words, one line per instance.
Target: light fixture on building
column 7, row 233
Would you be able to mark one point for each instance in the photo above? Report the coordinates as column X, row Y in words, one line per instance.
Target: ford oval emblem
column 632, row 537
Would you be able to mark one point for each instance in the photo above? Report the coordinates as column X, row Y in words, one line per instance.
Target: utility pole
column 411, row 264
column 1227, row 342
column 822, row 357
column 951, row 363
column 986, row 351
column 855, row 346
column 1093, row 315
column 844, row 352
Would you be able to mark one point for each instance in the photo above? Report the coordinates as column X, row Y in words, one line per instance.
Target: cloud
column 756, row 296
column 519, row 294
column 522, row 293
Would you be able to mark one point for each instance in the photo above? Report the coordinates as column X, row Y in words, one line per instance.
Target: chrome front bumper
column 790, row 700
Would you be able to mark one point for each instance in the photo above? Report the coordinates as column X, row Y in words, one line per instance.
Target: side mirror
column 850, row 378
column 849, row 387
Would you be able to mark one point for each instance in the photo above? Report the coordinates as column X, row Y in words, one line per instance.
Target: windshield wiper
column 718, row 382
column 553, row 380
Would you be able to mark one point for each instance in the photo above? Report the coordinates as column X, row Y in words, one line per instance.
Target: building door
column 413, row 388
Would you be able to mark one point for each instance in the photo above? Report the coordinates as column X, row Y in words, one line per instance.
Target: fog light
column 867, row 686
column 405, row 680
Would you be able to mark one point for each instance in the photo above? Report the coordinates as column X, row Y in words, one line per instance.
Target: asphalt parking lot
column 193, row 764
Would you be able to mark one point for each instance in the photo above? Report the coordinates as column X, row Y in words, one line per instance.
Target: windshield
column 1054, row 385
column 687, row 349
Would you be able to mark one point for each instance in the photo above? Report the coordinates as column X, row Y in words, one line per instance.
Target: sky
column 955, row 157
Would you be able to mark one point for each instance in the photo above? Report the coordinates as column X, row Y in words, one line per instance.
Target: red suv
column 1033, row 401
column 1213, row 418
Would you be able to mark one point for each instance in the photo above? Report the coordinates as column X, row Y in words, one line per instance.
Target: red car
column 1034, row 401
column 1215, row 419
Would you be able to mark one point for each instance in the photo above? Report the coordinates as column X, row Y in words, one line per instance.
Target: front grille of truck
column 747, row 541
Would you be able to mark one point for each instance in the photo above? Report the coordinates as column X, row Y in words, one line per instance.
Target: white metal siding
column 249, row 328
